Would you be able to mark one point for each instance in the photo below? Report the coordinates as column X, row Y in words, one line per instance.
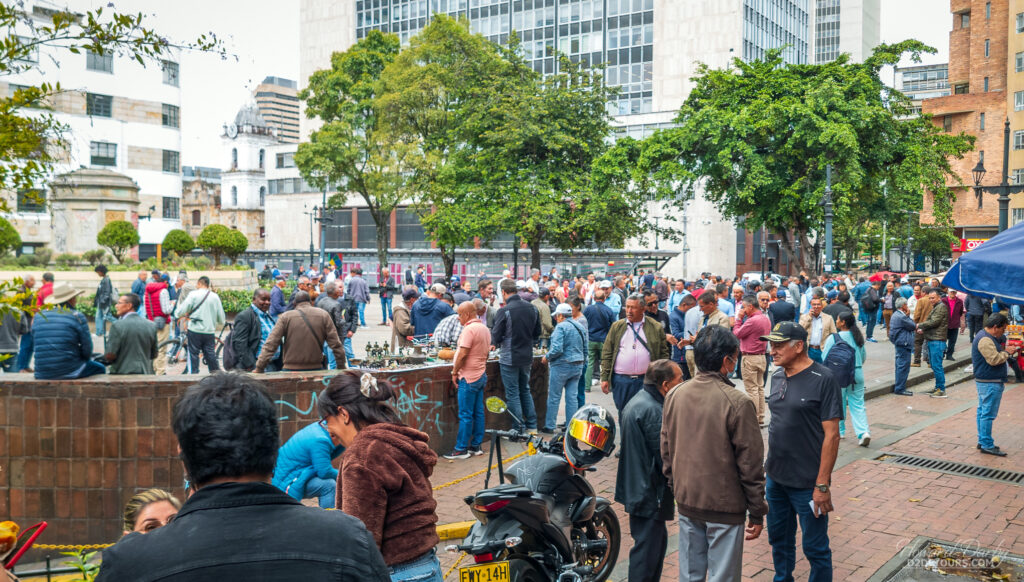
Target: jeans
column 518, row 398
column 853, row 398
column 903, row 356
column 872, row 319
column 332, row 363
column 471, row 414
column 426, row 568
column 7, row 365
column 625, row 388
column 562, row 378
column 543, row 343
column 990, row 394
column 582, row 385
column 594, row 350
column 814, row 354
column 102, row 317
column 711, row 551
column 206, row 343
column 385, row 308
column 322, row 489
column 787, row 505
column 362, row 313
column 349, row 353
column 647, row 556
column 936, row 349
column 25, row 351
column 951, row 341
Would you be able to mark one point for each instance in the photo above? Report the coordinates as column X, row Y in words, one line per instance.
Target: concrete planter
column 87, row 280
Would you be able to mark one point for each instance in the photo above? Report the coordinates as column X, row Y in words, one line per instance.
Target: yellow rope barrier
column 480, row 472
column 70, row 547
column 455, row 565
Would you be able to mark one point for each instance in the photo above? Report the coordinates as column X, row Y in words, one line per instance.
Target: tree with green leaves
column 10, row 240
column 237, row 243
column 216, row 240
column 31, row 138
column 119, row 236
column 756, row 139
column 352, row 149
column 178, row 241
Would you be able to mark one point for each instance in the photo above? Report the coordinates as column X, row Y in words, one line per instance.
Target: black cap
column 785, row 331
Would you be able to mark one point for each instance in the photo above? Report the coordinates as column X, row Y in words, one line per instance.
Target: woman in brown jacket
column 385, row 474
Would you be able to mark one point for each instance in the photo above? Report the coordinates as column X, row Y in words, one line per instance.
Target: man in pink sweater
column 751, row 324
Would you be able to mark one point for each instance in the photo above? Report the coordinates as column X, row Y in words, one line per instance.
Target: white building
column 846, row 26
column 121, row 116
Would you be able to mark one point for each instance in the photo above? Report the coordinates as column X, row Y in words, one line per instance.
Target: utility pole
column 828, row 218
column 312, row 252
column 323, row 227
column 764, row 251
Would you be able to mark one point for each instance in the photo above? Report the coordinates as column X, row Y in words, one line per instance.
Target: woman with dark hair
column 385, row 474
column 853, row 395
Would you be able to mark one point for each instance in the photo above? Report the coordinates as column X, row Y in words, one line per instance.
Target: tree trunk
column 448, row 258
column 383, row 222
column 535, row 253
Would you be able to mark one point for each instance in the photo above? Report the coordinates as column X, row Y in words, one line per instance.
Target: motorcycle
column 545, row 523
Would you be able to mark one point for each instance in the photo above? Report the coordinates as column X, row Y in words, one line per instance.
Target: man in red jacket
column 46, row 290
column 158, row 309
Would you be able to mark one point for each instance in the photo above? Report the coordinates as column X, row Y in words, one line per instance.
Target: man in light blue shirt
column 612, row 300
column 676, row 297
column 724, row 303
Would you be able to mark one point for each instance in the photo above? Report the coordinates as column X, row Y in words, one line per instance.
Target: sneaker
column 457, row 455
column 476, row 452
column 546, row 430
column 865, row 440
column 994, row 451
column 937, row 393
column 996, row 447
column 872, row 340
column 903, row 392
column 915, row 364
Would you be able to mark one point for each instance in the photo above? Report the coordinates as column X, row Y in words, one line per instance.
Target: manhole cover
column 929, row 560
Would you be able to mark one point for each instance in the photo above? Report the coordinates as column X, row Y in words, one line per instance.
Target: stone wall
column 72, row 452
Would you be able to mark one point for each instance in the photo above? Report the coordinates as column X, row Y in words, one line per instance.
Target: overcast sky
column 264, row 35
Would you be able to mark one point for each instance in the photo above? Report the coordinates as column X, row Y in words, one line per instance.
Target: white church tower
column 246, row 142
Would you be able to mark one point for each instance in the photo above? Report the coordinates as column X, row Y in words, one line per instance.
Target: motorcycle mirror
column 496, row 405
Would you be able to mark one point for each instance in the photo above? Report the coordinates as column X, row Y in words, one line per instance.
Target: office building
column 986, row 72
column 278, row 104
column 123, row 118
column 852, row 27
column 920, row 82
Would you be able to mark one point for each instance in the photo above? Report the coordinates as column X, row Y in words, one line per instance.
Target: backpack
column 228, row 356
column 869, row 301
column 841, row 361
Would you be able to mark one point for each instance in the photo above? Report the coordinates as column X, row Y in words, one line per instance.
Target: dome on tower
column 250, row 116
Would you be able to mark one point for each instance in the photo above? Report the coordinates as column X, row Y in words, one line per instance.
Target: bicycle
column 177, row 347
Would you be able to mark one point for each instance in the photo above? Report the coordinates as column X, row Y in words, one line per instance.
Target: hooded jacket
column 306, row 455
column 427, row 312
column 385, row 483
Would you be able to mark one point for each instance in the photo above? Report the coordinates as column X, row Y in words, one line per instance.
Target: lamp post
column 312, row 217
column 764, row 251
column 1004, row 189
column 827, row 203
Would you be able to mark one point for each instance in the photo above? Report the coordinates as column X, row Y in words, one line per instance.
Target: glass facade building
column 771, row 24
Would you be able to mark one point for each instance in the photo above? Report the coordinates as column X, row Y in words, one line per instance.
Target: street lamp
column 827, row 203
column 1004, row 189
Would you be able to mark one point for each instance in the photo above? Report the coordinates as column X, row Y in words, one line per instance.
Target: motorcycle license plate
column 490, row 572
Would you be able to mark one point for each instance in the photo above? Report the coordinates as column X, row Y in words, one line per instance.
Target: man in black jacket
column 228, row 433
column 345, row 316
column 251, row 328
column 516, row 328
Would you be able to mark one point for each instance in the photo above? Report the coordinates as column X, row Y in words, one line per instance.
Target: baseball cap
column 438, row 288
column 604, row 285
column 785, row 331
column 563, row 309
column 781, row 294
column 520, row 284
column 410, row 293
column 832, row 295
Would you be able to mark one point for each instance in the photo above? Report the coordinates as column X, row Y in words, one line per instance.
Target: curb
column 454, row 531
column 915, row 379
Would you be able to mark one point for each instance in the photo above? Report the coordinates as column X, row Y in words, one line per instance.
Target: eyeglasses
column 323, row 423
column 650, row 303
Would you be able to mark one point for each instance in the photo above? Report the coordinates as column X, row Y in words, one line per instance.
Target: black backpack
column 841, row 361
column 870, row 300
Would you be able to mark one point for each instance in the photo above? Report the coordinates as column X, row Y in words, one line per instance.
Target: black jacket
column 245, row 339
column 516, row 327
column 781, row 310
column 640, row 485
column 247, row 531
column 343, row 313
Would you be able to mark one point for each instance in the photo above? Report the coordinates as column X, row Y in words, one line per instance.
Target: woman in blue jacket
column 304, row 465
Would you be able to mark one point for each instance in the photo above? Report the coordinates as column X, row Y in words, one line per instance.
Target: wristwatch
column 823, row 487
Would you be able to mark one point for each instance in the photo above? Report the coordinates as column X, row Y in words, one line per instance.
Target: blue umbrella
column 994, row 270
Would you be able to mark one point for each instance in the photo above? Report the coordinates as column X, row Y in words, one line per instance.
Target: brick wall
column 72, row 452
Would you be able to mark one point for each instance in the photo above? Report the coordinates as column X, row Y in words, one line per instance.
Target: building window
column 988, row 10
column 170, row 69
column 985, row 89
column 1017, row 176
column 102, row 153
column 31, row 201
column 981, row 122
column 32, row 54
column 965, row 20
column 947, row 123
column 1020, row 22
column 234, row 195
column 263, row 195
column 171, row 161
column 1018, row 216
column 103, row 63
column 263, row 232
column 741, row 246
column 987, row 44
column 263, row 156
column 981, row 157
column 195, row 218
column 169, row 116
column 99, row 105
column 171, row 208
column 234, row 158
column 961, row 89
column 1019, row 62
column 286, row 160
column 1018, row 140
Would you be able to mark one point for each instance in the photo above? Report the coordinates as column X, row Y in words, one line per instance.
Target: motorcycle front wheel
column 604, row 525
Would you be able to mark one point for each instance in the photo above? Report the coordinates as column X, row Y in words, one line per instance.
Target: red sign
column 966, row 244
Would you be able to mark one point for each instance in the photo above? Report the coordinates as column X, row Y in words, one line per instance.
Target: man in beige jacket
column 819, row 326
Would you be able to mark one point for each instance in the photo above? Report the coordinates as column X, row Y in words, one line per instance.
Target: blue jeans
column 903, row 356
column 322, row 489
column 426, row 568
column 349, row 354
column 7, row 365
column 102, row 317
column 787, row 505
column 872, row 319
column 582, row 385
column 562, row 378
column 385, row 308
column 624, row 388
column 936, row 350
column 332, row 363
column 471, row 414
column 25, row 351
column 362, row 313
column 517, row 396
column 814, row 354
column 990, row 394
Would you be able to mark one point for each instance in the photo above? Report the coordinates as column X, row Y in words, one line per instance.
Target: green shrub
column 42, row 257
column 119, row 236
column 66, row 260
column 216, row 240
column 202, row 263
column 10, row 240
column 25, row 261
column 238, row 242
column 94, row 257
column 178, row 241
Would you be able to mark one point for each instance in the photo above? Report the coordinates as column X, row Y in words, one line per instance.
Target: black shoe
column 996, row 447
column 903, row 392
column 994, row 451
column 545, row 431
column 949, row 357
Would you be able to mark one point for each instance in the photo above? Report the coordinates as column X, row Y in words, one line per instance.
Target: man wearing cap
column 63, row 343
column 819, row 326
column 566, row 357
column 611, row 299
column 428, row 311
column 546, row 324
column 401, row 318
column 630, row 347
column 803, row 442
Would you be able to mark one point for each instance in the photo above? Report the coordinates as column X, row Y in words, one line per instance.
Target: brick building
column 986, row 72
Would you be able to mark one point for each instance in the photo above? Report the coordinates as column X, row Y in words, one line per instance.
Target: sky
column 263, row 37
